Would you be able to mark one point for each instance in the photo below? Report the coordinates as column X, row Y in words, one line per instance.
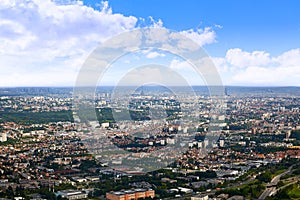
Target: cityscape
column 149, row 100
column 45, row 153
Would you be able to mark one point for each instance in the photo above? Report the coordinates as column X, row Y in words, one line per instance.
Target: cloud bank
column 44, row 42
column 259, row 68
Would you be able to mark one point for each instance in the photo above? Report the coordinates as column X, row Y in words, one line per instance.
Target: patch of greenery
column 290, row 192
column 265, row 177
column 36, row 117
column 251, row 190
column 295, row 134
column 8, row 142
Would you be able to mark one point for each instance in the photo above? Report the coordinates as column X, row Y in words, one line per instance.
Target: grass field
column 295, row 192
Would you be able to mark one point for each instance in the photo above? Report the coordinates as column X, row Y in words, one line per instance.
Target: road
column 268, row 191
column 271, row 187
column 294, row 180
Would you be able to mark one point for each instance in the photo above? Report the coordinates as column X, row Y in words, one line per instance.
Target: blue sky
column 269, row 25
column 251, row 42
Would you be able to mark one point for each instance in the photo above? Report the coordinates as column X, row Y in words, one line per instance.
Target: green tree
column 265, row 177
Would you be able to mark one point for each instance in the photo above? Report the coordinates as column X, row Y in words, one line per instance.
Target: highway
column 271, row 187
column 270, row 190
column 294, row 180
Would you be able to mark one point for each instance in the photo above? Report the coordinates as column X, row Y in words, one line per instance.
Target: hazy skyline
column 252, row 43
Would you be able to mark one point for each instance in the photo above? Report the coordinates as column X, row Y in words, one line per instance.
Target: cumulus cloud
column 43, row 35
column 155, row 24
column 45, row 42
column 289, row 58
column 221, row 64
column 44, row 24
column 278, row 76
column 201, row 36
column 46, row 38
column 239, row 67
column 240, row 58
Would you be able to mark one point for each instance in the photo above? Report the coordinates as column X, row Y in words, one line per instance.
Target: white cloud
column 154, row 54
column 68, row 28
column 278, row 76
column 221, row 64
column 156, row 24
column 44, row 42
column 201, row 36
column 289, row 58
column 259, row 68
column 240, row 58
column 38, row 36
column 180, row 65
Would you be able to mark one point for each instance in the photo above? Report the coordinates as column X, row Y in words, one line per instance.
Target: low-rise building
column 72, row 194
column 131, row 194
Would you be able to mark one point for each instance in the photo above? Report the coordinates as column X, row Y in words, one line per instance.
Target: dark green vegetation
column 289, row 185
column 103, row 115
column 251, row 190
column 289, row 192
column 295, row 134
column 44, row 192
column 111, row 115
column 36, row 117
column 8, row 142
column 255, row 187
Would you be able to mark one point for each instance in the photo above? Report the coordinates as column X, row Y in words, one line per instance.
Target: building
column 288, row 134
column 185, row 190
column 72, row 194
column 79, row 179
column 3, row 137
column 221, row 143
column 202, row 197
column 130, row 194
column 105, row 125
column 236, row 198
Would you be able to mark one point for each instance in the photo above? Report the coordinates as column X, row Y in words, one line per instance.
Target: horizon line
column 261, row 86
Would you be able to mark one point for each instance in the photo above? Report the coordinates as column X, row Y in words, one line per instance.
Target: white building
column 185, row 190
column 3, row 137
column 221, row 143
column 105, row 125
column 72, row 194
column 206, row 142
column 202, row 197
column 170, row 140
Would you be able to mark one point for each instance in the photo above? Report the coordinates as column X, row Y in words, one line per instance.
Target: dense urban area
column 44, row 151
